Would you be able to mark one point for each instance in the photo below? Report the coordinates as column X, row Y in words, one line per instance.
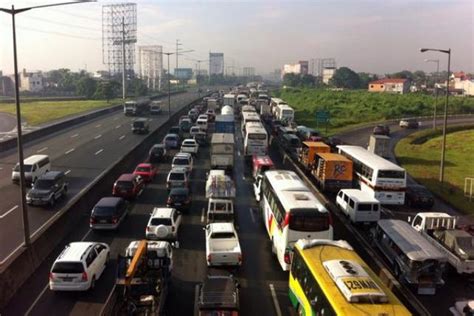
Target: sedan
column 147, row 171
column 381, row 130
column 180, row 199
column 157, row 153
column 190, row 146
column 419, row 196
column 171, row 141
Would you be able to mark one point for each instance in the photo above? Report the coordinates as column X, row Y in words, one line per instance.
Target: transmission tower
column 119, row 35
column 150, row 65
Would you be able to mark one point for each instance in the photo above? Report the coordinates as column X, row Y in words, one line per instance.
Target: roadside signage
column 322, row 116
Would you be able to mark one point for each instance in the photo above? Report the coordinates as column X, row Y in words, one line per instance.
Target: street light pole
column 445, row 118
column 24, row 209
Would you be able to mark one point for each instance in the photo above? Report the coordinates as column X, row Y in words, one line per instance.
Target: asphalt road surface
column 82, row 152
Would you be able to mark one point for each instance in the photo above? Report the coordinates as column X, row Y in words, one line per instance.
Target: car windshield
column 177, row 176
column 138, row 124
column 180, row 161
column 26, row 168
column 103, row 210
column 143, row 169
column 42, row 184
column 68, row 267
column 124, row 185
column 170, row 138
column 161, row 221
column 223, row 235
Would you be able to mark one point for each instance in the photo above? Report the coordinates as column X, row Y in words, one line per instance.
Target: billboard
column 216, row 63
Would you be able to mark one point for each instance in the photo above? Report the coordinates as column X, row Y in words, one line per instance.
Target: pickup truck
column 217, row 295
column 440, row 230
column 222, row 245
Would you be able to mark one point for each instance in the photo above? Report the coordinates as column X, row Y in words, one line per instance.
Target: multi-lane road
column 82, row 152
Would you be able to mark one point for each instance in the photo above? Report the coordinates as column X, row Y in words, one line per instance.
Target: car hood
column 39, row 193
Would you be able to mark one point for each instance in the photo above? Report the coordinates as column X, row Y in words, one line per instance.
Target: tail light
column 84, row 276
column 148, row 228
column 287, row 257
column 114, row 220
column 169, row 201
column 287, row 220
column 209, row 258
column 240, row 258
column 51, row 276
column 172, row 229
column 92, row 220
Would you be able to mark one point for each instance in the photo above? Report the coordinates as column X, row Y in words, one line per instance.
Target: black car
column 108, row 213
column 419, row 196
column 175, row 130
column 381, row 130
column 291, row 144
column 157, row 153
column 179, row 198
column 140, row 126
column 47, row 189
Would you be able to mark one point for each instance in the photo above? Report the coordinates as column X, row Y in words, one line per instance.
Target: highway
column 264, row 286
column 82, row 152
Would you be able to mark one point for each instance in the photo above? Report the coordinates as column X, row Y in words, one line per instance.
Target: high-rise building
column 150, row 65
column 249, row 72
column 216, row 64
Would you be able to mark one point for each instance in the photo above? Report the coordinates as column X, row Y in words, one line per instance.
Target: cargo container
column 333, row 172
column 309, row 150
column 224, row 124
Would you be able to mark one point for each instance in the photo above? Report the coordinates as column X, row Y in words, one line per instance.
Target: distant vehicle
column 163, row 224
column 140, row 126
column 49, row 187
column 255, row 141
column 108, row 213
column 136, row 107
column 291, row 144
column 211, row 114
column 185, row 124
column 260, row 164
column 202, row 123
column 419, row 196
column 147, row 171
column 190, row 146
column 171, row 141
column 180, row 199
column 175, row 130
column 220, row 192
column 177, row 178
column 306, row 133
column 229, row 99
column 222, row 151
column 285, row 113
column 183, row 160
column 359, row 206
column 309, row 152
column 155, row 107
column 201, row 138
column 227, row 110
column 128, row 186
column 381, row 130
column 157, row 153
column 194, row 130
column 33, row 167
column 222, row 245
column 409, row 123
column 224, row 124
column 379, row 145
column 193, row 114
column 79, row 266
column 217, row 295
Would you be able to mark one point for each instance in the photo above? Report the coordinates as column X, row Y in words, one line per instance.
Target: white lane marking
column 99, row 151
column 9, row 211
column 67, row 172
column 117, row 126
column 243, row 178
column 252, row 215
column 275, row 300
column 69, row 151
column 98, row 125
column 203, row 215
column 75, row 135
column 86, row 235
column 98, row 136
column 121, row 137
column 42, row 149
column 238, row 152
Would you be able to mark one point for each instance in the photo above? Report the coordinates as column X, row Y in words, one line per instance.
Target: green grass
column 39, row 112
column 354, row 108
column 421, row 160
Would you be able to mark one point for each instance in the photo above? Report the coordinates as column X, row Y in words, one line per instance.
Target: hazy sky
column 371, row 36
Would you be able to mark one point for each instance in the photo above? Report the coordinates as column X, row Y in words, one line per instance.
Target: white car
column 202, row 123
column 177, row 178
column 203, row 117
column 190, row 146
column 79, row 266
column 182, row 160
column 163, row 224
column 222, row 245
column 194, row 131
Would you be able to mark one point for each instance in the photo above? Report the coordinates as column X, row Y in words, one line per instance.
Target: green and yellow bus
column 328, row 278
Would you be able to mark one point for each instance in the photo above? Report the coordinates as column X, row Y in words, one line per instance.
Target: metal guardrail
column 389, row 280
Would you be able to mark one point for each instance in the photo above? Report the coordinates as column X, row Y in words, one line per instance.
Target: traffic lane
column 7, row 122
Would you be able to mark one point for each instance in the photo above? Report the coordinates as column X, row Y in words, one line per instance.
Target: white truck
column 440, row 230
column 220, row 190
column 229, row 99
column 379, row 145
column 222, row 151
column 222, row 245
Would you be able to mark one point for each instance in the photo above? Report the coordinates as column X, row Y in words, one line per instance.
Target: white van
column 34, row 167
column 358, row 205
column 202, row 123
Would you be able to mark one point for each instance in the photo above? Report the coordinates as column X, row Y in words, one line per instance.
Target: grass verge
column 420, row 153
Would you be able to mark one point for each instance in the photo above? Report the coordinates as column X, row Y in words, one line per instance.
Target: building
column 462, row 83
column 216, row 64
column 249, row 71
column 301, row 68
column 394, row 85
column 7, row 86
column 328, row 73
column 304, row 67
column 31, row 81
column 150, row 65
column 183, row 73
column 201, row 72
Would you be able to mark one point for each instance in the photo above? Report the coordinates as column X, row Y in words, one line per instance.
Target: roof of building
column 388, row 80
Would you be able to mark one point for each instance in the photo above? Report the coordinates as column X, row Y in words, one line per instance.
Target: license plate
column 177, row 204
column 103, row 221
column 67, row 279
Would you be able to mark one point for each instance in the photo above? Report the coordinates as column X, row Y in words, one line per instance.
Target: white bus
column 248, row 117
column 377, row 176
column 255, row 140
column 274, row 102
column 284, row 113
column 291, row 212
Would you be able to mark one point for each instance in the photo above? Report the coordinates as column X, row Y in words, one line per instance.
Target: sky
column 368, row 36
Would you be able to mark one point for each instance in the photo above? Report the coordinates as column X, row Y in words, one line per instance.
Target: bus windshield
column 309, row 220
column 394, row 174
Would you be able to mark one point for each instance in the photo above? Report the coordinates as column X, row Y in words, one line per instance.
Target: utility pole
column 124, row 78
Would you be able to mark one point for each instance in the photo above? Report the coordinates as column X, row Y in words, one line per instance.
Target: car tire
column 52, row 201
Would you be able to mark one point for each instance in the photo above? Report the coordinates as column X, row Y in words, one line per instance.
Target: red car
column 147, row 171
column 128, row 186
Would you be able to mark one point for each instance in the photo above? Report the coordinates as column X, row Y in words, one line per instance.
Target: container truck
column 333, row 172
column 222, row 151
column 224, row 124
column 379, row 145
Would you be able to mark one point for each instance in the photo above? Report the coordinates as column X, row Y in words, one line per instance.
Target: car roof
column 144, row 164
column 162, row 212
column 178, row 170
column 182, row 155
column 189, row 140
column 126, row 177
column 74, row 251
column 51, row 175
column 109, row 201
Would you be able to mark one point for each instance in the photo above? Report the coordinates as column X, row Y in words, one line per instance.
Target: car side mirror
column 175, row 244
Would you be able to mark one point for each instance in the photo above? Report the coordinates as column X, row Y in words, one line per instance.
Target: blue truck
column 224, row 124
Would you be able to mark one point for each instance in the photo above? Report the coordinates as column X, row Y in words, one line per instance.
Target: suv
column 185, row 124
column 47, row 189
column 163, row 224
column 128, row 186
column 190, row 146
column 78, row 266
column 157, row 153
column 182, row 160
column 177, row 178
column 179, row 198
column 140, row 126
column 108, row 213
column 419, row 196
column 409, row 123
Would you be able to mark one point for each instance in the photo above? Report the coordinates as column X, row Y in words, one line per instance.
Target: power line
column 64, row 24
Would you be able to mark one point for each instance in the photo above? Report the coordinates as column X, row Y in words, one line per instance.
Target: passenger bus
column 248, row 117
column 381, row 178
column 285, row 113
column 274, row 102
column 255, row 140
column 290, row 212
column 329, row 278
column 413, row 258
